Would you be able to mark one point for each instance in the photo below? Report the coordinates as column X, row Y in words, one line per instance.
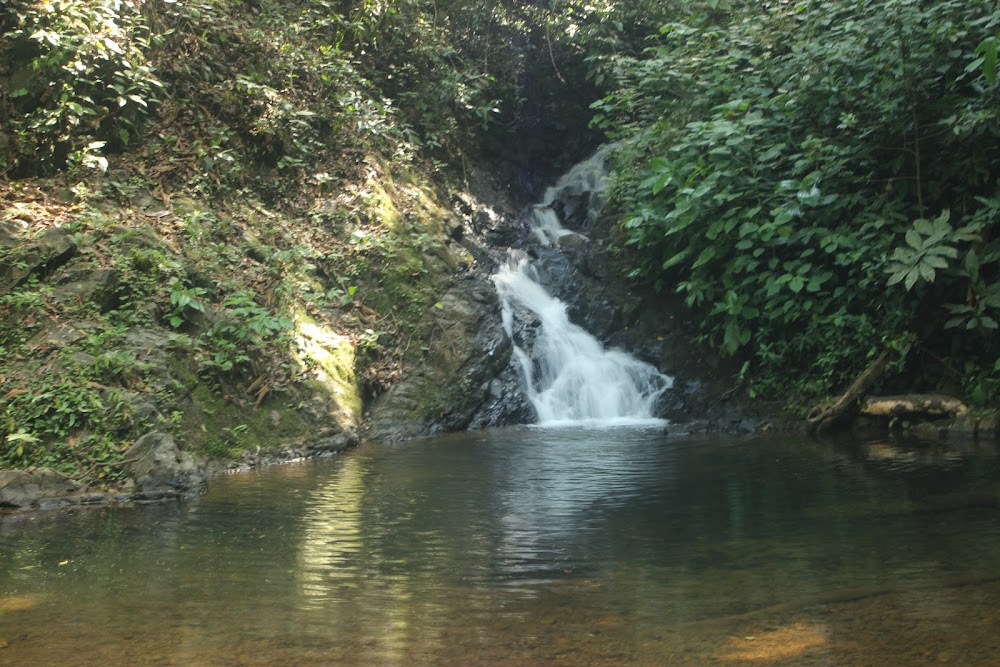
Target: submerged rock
column 964, row 429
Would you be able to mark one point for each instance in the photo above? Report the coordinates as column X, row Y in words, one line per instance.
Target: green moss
column 332, row 359
column 219, row 426
column 444, row 396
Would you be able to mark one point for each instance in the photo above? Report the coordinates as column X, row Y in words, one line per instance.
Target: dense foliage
column 280, row 84
column 235, row 175
column 821, row 182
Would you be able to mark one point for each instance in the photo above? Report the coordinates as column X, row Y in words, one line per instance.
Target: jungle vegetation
column 818, row 180
column 821, row 182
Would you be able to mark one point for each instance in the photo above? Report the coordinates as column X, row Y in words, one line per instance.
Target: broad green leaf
column 926, row 271
column 944, row 250
column 987, row 57
column 935, row 261
column 676, row 259
column 660, row 164
column 923, row 226
column 706, row 255
column 732, row 337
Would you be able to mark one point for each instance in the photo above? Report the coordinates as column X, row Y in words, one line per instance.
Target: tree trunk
column 913, row 405
column 823, row 417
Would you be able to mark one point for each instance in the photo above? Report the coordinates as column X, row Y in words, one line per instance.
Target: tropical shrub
column 79, row 81
column 820, row 182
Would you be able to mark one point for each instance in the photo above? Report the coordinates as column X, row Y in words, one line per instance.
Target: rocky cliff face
column 467, row 379
column 463, row 377
column 588, row 275
column 585, row 269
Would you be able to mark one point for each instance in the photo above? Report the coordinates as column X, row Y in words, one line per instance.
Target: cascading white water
column 586, row 178
column 569, row 376
column 572, row 377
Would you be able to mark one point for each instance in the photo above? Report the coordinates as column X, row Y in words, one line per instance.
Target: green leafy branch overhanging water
column 788, row 156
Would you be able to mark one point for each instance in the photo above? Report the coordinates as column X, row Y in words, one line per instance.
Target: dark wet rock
column 158, row 465
column 55, row 335
column 26, row 258
column 966, row 429
column 866, row 427
column 989, row 427
column 487, row 216
column 501, row 231
column 574, row 244
column 586, row 272
column 327, row 442
column 30, row 488
column 936, row 431
column 166, row 473
column 9, row 235
column 464, row 379
column 132, row 410
column 82, row 286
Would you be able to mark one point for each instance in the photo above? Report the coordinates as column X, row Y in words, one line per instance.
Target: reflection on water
column 574, row 547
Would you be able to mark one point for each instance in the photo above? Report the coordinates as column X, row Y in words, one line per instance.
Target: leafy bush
column 820, row 181
column 64, row 418
column 80, row 80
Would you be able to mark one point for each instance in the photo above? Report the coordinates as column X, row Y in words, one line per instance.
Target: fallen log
column 928, row 406
column 823, row 417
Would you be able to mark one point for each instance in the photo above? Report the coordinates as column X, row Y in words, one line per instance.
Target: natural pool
column 530, row 546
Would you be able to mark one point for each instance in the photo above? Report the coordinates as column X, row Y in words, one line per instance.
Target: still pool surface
column 525, row 547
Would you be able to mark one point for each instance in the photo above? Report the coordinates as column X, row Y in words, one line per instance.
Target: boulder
column 935, row 431
column 55, row 335
column 467, row 382
column 989, row 427
column 25, row 488
column 52, row 249
column 158, row 466
column 83, row 286
column 964, row 428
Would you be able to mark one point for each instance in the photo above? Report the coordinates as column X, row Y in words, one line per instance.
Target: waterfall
column 585, row 181
column 569, row 377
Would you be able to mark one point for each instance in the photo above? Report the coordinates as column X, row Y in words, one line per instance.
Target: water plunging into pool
column 569, row 376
